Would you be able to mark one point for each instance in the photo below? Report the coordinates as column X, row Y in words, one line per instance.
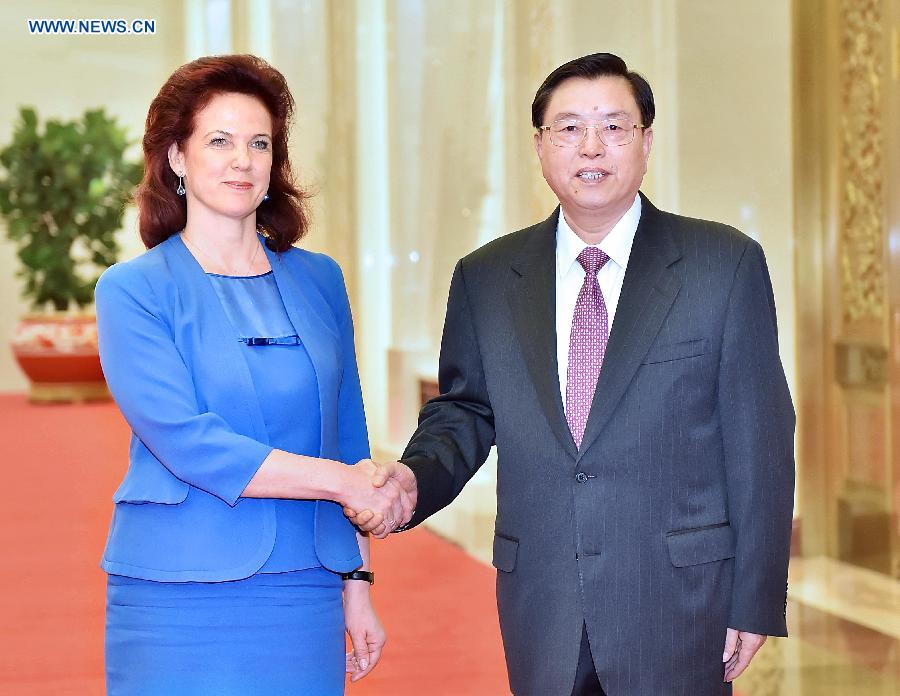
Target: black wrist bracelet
column 366, row 575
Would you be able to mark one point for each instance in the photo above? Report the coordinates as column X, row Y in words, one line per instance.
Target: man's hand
column 740, row 647
column 365, row 487
column 391, row 474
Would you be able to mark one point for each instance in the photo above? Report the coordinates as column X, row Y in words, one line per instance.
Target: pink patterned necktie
column 587, row 344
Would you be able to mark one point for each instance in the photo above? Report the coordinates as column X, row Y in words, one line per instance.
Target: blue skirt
column 280, row 633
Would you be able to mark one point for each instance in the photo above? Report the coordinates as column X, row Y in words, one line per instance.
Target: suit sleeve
column 154, row 389
column 758, row 436
column 353, row 436
column 456, row 429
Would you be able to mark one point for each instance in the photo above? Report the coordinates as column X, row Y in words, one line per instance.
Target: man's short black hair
column 589, row 68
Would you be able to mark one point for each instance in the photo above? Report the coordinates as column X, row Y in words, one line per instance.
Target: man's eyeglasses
column 568, row 132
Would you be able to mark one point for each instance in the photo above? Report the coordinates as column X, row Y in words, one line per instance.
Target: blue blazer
column 176, row 371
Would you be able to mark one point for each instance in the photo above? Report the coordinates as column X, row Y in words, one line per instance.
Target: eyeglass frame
column 634, row 127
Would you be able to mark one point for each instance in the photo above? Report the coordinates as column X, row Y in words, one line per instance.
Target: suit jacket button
column 581, row 477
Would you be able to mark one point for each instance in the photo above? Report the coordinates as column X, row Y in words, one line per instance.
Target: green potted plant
column 63, row 192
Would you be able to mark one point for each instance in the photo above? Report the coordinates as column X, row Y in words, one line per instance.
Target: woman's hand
column 387, row 501
column 390, row 473
column 365, row 630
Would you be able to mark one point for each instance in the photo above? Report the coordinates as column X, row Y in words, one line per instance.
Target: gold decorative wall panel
column 862, row 168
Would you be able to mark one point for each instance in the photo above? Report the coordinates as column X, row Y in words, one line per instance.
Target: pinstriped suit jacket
column 673, row 520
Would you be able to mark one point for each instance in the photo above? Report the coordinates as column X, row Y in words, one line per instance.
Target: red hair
column 283, row 217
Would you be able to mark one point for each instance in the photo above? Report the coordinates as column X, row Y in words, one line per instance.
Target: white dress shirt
column 570, row 277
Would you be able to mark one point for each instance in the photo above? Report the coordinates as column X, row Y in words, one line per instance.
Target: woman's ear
column 176, row 159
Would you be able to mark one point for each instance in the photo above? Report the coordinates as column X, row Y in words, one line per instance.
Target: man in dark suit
column 644, row 509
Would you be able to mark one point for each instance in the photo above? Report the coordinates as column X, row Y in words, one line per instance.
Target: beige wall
column 721, row 73
column 61, row 76
column 721, row 76
column 735, row 158
column 64, row 75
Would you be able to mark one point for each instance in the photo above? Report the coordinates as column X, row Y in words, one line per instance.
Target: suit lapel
column 648, row 290
column 532, row 300
column 217, row 334
column 307, row 308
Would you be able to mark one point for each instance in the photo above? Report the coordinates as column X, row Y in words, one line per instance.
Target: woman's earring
column 180, row 189
column 265, row 196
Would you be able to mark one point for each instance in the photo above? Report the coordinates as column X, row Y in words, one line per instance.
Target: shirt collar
column 617, row 244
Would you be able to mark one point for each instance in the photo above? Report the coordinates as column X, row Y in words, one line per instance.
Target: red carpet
column 61, row 466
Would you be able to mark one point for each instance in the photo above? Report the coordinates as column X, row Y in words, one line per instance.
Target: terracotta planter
column 58, row 353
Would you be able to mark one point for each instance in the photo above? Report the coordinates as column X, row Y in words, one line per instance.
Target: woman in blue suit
column 232, row 569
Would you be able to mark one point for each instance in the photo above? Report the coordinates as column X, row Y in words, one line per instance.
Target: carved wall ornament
column 861, row 241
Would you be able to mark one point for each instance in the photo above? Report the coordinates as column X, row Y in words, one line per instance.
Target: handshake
column 380, row 497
